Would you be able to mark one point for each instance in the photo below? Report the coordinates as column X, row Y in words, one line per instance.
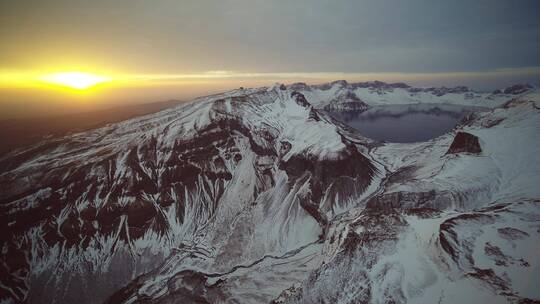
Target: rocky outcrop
column 518, row 89
column 380, row 85
column 465, row 143
column 347, row 101
column 300, row 99
column 349, row 174
column 416, row 202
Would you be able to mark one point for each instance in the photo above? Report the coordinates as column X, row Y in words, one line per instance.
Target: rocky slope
column 255, row 195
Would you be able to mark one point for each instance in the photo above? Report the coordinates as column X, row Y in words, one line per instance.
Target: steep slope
column 224, row 182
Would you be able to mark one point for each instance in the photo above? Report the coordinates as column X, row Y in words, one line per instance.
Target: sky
column 177, row 49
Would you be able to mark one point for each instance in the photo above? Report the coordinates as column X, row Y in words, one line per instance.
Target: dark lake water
column 405, row 123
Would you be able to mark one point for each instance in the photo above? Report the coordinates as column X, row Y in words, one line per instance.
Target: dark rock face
column 414, row 202
column 346, row 102
column 188, row 285
column 517, row 89
column 489, row 276
column 299, row 86
column 511, row 234
column 449, row 235
column 348, row 175
column 399, row 85
column 342, row 83
column 329, row 85
column 380, row 85
column 444, row 90
column 300, row 99
column 464, row 142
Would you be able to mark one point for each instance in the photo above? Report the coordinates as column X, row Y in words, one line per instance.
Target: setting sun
column 75, row 80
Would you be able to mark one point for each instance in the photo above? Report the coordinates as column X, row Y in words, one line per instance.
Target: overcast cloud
column 273, row 36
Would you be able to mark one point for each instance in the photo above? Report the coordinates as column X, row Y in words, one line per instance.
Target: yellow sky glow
column 77, row 88
column 75, row 80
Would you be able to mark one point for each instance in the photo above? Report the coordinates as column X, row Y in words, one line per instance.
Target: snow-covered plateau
column 259, row 196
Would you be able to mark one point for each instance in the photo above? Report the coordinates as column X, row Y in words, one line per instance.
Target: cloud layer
column 272, row 36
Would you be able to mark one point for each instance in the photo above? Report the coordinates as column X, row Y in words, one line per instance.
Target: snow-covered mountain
column 256, row 195
column 341, row 95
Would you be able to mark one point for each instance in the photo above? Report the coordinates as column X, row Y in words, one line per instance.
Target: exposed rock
column 490, row 277
column 465, row 142
column 512, row 234
column 496, row 254
column 347, row 101
column 342, row 83
column 380, row 85
column 299, row 86
column 300, row 99
column 410, row 201
column 518, row 89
